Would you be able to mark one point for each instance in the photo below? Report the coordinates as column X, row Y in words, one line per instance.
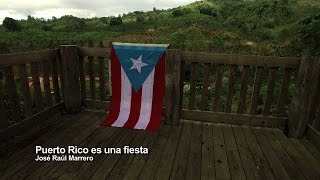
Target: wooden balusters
column 217, row 88
column 256, row 90
column 55, row 80
column 270, row 90
column 243, row 90
column 232, row 74
column 91, row 75
column 102, row 81
column 193, row 77
column 46, row 83
column 206, row 83
column 36, row 86
column 82, row 76
column 12, row 93
column 27, row 101
column 284, row 92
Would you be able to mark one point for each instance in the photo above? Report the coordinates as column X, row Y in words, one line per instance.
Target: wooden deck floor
column 190, row 151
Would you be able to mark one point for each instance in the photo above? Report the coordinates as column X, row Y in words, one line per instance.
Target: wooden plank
column 139, row 160
column 181, row 158
column 193, row 78
column 91, row 75
column 275, row 164
column 232, row 74
column 263, row 168
column 82, row 78
column 166, row 162
column 284, row 92
column 206, row 83
column 194, row 157
column 221, row 160
column 234, row 161
column 313, row 135
column 46, row 83
column 55, row 80
column 311, row 148
column 94, row 51
column 270, row 90
column 151, row 165
column 247, row 159
column 256, row 90
column 30, row 121
column 89, row 168
column 230, row 118
column 217, row 88
column 313, row 162
column 70, row 138
column 3, row 114
column 172, row 87
column 102, row 82
column 218, row 58
column 298, row 159
column 91, row 137
column 243, row 90
column 95, row 104
column 208, row 159
column 287, row 163
column 123, row 163
column 182, row 81
column 70, row 73
column 27, row 102
column 36, row 86
column 107, row 165
column 12, row 93
column 25, row 57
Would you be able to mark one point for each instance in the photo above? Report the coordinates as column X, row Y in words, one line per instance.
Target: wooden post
column 70, row 72
column 172, row 87
column 306, row 97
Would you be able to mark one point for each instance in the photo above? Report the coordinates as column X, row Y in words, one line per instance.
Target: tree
column 115, row 21
column 177, row 13
column 11, row 25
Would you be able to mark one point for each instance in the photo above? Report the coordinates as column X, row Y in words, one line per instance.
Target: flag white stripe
column 146, row 102
column 125, row 103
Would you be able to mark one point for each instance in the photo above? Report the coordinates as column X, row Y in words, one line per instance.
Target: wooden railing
column 32, row 83
column 229, row 88
column 198, row 66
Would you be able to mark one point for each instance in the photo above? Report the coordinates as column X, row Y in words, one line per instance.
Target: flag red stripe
column 135, row 109
column 116, row 91
column 158, row 94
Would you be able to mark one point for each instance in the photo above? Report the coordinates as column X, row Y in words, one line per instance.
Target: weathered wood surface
column 270, row 90
column 102, row 82
column 305, row 102
column 217, row 88
column 256, row 90
column 92, row 75
column 269, row 61
column 12, row 93
column 172, row 87
column 71, row 89
column 27, row 101
column 188, row 151
column 32, row 56
column 193, row 78
column 230, row 118
column 206, row 83
column 36, row 86
column 313, row 135
column 232, row 74
column 94, row 51
column 46, row 83
column 243, row 90
column 55, row 80
column 284, row 92
column 82, row 78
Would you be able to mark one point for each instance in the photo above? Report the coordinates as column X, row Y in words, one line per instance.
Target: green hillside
column 271, row 27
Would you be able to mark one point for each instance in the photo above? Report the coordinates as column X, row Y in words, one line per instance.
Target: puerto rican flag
column 138, row 80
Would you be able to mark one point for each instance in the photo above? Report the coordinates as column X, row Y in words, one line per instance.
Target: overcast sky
column 20, row 9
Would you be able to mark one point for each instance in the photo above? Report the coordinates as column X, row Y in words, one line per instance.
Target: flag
column 138, row 79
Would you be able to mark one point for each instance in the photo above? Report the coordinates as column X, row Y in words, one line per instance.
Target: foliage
column 10, row 24
column 115, row 21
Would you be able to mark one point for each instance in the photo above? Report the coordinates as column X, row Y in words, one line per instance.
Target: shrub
column 115, row 21
column 11, row 25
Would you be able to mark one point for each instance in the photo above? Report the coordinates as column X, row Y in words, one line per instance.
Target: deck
column 192, row 150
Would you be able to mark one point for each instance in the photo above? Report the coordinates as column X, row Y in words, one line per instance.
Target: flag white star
column 137, row 64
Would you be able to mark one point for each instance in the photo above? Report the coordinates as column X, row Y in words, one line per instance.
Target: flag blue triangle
column 138, row 61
